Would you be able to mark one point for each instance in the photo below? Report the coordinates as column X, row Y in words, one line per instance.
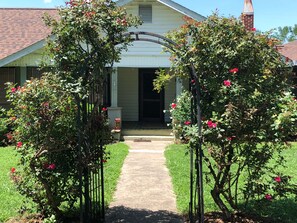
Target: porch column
column 114, row 87
column 178, row 87
column 23, row 75
column 114, row 111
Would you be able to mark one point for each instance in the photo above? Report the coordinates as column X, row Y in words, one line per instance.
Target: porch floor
column 145, row 129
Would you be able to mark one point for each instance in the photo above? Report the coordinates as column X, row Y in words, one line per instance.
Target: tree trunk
column 216, row 197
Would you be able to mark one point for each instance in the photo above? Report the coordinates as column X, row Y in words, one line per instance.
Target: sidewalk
column 144, row 193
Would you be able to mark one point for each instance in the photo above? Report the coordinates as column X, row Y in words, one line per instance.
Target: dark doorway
column 151, row 103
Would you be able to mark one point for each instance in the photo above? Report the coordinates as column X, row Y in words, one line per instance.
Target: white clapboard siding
column 128, row 93
column 140, row 54
column 30, row 60
column 146, row 54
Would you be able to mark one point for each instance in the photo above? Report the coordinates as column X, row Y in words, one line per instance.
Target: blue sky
column 269, row 14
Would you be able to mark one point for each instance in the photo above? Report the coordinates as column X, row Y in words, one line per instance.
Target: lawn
column 11, row 201
column 179, row 164
column 118, row 153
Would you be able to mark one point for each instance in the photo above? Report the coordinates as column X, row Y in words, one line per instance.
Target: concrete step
column 146, row 132
column 147, row 138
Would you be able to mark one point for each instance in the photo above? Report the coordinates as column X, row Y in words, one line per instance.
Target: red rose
column 278, row 179
column 211, row 124
column 173, row 105
column 187, row 122
column 227, row 83
column 19, row 144
column 9, row 136
column 12, row 170
column 268, row 197
column 234, row 70
column 51, row 166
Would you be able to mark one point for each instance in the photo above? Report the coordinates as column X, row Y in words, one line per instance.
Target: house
column 131, row 94
column 289, row 51
column 131, row 97
column 22, row 39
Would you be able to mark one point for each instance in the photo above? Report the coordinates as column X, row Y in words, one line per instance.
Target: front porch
column 134, row 101
column 145, row 129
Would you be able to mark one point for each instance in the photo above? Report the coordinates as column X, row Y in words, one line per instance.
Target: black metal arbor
column 196, row 202
column 92, row 178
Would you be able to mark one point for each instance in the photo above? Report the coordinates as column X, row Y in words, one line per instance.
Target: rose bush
column 45, row 137
column 61, row 124
column 180, row 112
column 247, row 107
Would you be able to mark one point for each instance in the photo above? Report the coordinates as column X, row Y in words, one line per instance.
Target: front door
column 151, row 103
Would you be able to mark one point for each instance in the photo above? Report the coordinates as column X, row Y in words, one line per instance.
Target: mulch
column 217, row 217
column 210, row 217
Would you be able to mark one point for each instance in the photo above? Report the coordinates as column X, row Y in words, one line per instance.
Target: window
column 7, row 74
column 36, row 72
column 145, row 13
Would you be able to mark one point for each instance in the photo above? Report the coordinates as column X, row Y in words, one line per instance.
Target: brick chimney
column 247, row 15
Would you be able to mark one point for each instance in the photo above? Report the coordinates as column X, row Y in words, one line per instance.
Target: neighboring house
column 289, row 51
column 131, row 95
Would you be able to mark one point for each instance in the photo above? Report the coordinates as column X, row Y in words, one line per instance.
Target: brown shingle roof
column 289, row 50
column 21, row 28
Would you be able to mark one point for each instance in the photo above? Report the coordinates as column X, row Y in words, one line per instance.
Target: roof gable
column 171, row 4
column 22, row 28
column 24, row 31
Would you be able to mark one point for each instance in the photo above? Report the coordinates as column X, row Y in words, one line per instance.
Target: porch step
column 144, row 138
column 146, row 132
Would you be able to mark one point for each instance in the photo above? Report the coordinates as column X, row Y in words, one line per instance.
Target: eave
column 173, row 5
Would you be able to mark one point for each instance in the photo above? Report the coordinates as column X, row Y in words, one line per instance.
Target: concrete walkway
column 144, row 193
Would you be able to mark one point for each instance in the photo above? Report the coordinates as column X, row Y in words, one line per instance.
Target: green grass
column 11, row 201
column 118, row 153
column 178, row 163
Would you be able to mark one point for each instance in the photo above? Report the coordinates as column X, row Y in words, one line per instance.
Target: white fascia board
column 183, row 10
column 175, row 6
column 21, row 53
column 123, row 2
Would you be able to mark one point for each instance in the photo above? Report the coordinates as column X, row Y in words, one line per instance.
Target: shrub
column 180, row 112
column 5, row 128
column 243, row 88
column 60, row 119
column 46, row 138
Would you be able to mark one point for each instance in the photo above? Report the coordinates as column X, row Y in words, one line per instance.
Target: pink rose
column 19, row 144
column 278, row 179
column 234, row 70
column 227, row 83
column 268, row 197
column 187, row 122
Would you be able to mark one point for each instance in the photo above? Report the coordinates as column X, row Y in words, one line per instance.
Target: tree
column 286, row 34
column 247, row 108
